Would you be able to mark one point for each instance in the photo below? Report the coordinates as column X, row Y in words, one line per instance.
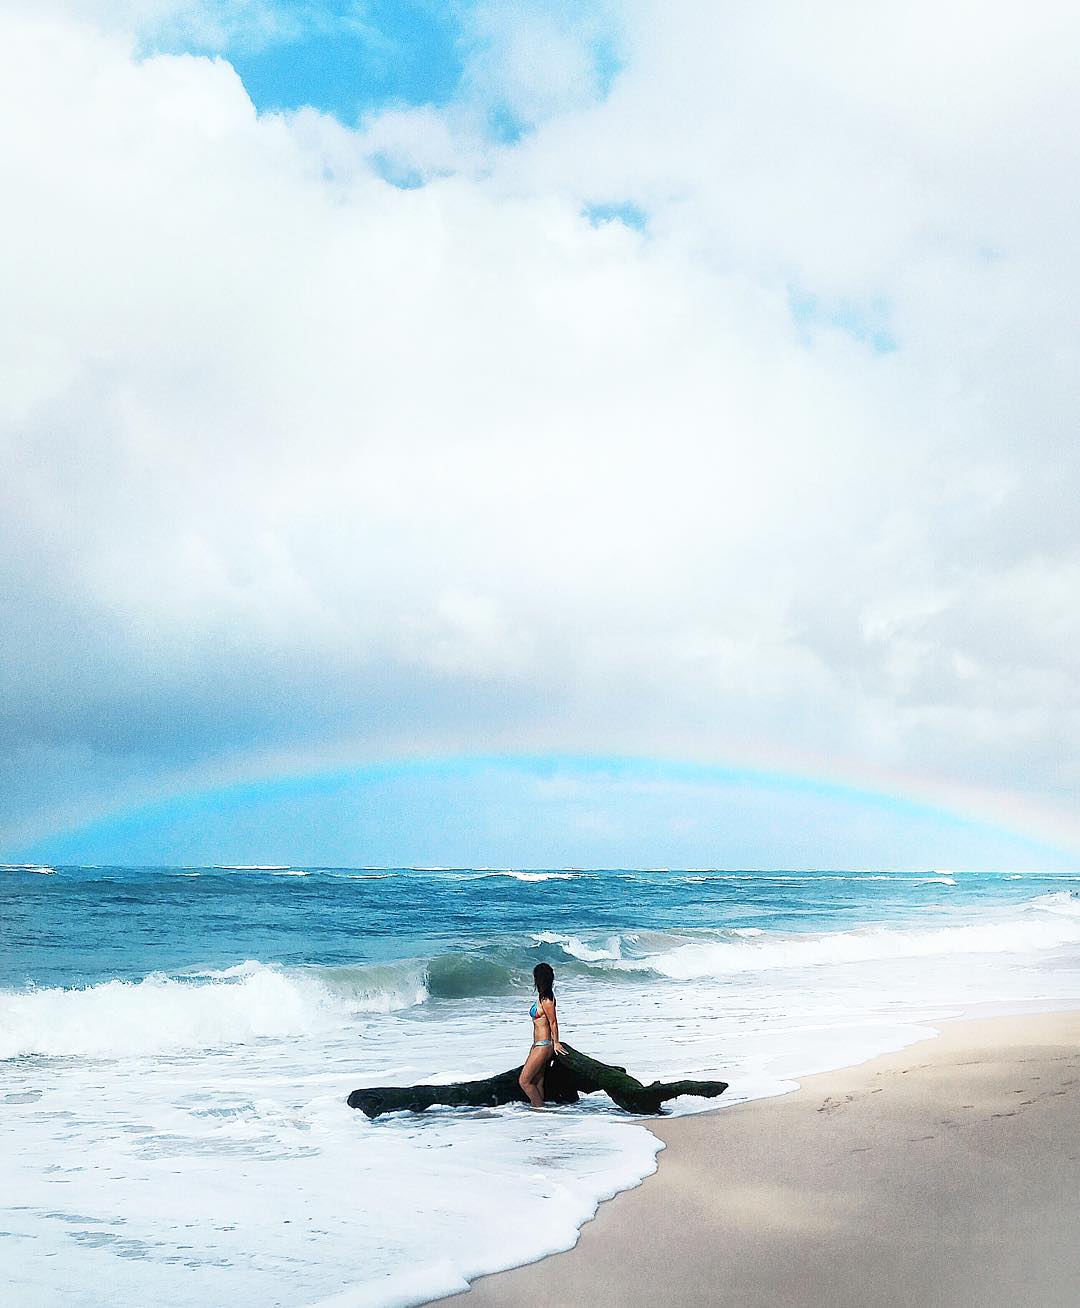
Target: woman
column 545, row 1036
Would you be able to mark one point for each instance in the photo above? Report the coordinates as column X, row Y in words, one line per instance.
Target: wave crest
column 172, row 1014
column 714, row 956
column 252, row 1000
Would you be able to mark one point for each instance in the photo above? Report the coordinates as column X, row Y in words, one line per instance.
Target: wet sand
column 946, row 1174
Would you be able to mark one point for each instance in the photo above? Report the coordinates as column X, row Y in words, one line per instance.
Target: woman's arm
column 548, row 1005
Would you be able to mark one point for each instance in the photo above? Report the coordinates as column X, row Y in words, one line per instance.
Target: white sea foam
column 252, row 867
column 253, row 1184
column 481, row 874
column 164, row 1014
column 719, row 957
column 536, row 876
column 576, row 948
column 1065, row 902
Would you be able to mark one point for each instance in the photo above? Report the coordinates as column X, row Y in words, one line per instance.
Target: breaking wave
column 198, row 1011
column 1050, row 922
column 482, row 874
column 164, row 1013
column 253, row 867
column 575, row 948
column 1065, row 902
column 537, row 876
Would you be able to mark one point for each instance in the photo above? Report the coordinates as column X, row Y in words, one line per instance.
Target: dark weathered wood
column 628, row 1092
column 571, row 1074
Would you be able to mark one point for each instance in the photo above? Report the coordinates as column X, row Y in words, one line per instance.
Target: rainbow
column 1045, row 828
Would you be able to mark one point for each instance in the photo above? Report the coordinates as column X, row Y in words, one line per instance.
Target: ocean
column 176, row 1047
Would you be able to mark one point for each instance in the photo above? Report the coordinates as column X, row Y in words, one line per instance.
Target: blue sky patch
column 347, row 59
column 405, row 178
column 608, row 63
column 867, row 323
column 350, row 58
column 627, row 213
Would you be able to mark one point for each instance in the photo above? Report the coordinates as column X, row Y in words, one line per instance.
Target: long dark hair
column 544, row 977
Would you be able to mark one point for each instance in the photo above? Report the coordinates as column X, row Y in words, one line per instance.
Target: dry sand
column 948, row 1173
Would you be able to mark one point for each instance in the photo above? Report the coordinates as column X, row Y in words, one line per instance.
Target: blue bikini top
column 534, row 1012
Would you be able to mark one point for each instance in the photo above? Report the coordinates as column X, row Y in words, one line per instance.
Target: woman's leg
column 531, row 1078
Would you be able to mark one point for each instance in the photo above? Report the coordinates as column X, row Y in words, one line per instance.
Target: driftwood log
column 571, row 1074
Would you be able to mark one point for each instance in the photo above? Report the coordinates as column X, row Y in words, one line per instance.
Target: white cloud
column 206, row 24
column 300, row 463
column 537, row 60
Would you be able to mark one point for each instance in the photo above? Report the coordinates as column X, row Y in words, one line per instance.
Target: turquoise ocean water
column 176, row 1045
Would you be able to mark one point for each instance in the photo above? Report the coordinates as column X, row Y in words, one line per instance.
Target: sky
column 513, row 433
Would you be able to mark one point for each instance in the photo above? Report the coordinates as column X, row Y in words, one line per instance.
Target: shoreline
column 947, row 1172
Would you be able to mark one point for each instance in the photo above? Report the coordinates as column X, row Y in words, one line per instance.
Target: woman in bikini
column 545, row 1036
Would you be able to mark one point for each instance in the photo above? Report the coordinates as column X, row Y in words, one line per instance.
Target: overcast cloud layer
column 728, row 413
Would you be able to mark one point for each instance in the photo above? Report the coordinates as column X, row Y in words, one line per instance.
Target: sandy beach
column 946, row 1174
